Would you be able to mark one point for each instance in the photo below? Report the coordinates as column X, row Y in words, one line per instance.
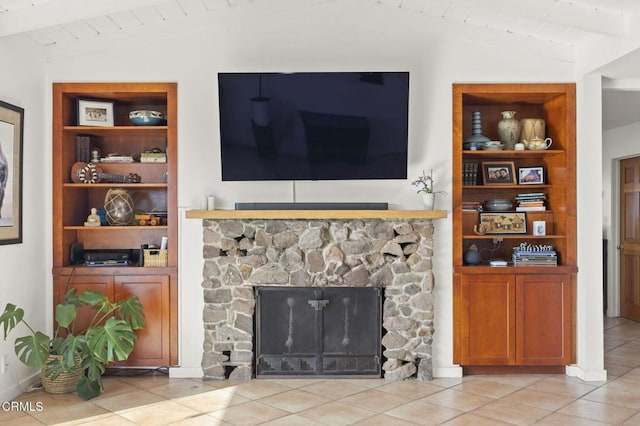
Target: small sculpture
column 93, row 219
column 480, row 229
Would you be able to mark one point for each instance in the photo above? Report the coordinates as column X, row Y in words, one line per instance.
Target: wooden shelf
column 511, row 153
column 115, row 185
column 316, row 214
column 111, row 228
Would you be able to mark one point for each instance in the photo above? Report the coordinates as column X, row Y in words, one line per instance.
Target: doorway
column 629, row 238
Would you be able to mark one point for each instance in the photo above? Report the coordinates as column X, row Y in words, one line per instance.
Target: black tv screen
column 313, row 125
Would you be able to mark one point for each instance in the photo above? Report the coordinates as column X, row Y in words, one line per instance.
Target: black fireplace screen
column 330, row 331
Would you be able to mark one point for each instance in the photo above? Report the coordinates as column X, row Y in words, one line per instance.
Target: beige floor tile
column 620, row 397
column 201, row 420
column 69, row 412
column 295, row 383
column 614, row 370
column 256, row 389
column 518, row 380
column 291, row 420
column 413, row 389
column 113, row 386
column 598, row 411
column 376, row 400
column 176, row 389
column 105, row 420
column 633, row 420
column 295, row 400
column 250, row 413
column 24, row 420
column 333, row 389
column 125, row 401
column 511, row 412
column 463, row 401
column 423, row 413
column 336, row 413
column 559, row 419
column 560, row 386
column 161, row 413
column 446, row 382
column 544, row 400
column 470, row 419
column 490, row 389
column 366, row 383
column 384, row 420
column 214, row 400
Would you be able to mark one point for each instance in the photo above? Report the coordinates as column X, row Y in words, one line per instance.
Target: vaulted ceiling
column 550, row 25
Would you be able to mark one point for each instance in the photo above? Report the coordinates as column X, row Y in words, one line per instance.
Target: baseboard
column 587, row 375
column 18, row 387
column 185, row 373
column 442, row 372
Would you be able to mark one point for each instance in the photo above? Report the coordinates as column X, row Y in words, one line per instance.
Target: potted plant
column 425, row 187
column 109, row 337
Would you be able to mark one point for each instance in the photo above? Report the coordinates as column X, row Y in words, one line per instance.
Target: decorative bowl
column 147, row 118
column 493, row 146
column 497, row 205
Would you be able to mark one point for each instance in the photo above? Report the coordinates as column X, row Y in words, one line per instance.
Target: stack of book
column 471, row 205
column 534, row 257
column 117, row 159
column 470, row 173
column 532, row 201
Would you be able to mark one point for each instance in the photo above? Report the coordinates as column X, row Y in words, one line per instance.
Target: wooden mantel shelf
column 316, row 214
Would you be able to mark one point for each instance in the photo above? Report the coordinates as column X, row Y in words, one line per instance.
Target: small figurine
column 93, row 219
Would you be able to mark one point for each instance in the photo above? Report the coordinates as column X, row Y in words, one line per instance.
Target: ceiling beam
column 556, row 12
column 57, row 12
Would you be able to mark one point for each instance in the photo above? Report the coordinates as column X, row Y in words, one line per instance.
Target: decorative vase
column 477, row 139
column 532, row 128
column 118, row 206
column 429, row 200
column 509, row 130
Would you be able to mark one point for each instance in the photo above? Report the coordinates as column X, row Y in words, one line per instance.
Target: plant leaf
column 88, row 389
column 97, row 300
column 65, row 314
column 112, row 342
column 131, row 311
column 33, row 350
column 10, row 318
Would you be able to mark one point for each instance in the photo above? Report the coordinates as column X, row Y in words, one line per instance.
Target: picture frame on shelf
column 498, row 173
column 531, row 175
column 11, row 159
column 95, row 112
column 503, row 222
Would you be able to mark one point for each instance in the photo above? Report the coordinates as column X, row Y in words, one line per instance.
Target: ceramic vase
column 118, row 205
column 428, row 200
column 532, row 128
column 477, row 139
column 509, row 129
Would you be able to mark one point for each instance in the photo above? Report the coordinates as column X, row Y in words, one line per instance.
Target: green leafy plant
column 109, row 337
column 425, row 184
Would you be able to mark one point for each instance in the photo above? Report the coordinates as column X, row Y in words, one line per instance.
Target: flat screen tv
column 313, row 125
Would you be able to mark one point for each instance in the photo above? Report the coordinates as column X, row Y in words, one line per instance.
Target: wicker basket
column 155, row 258
column 66, row 382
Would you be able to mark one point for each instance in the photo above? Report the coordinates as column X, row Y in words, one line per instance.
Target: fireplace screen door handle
column 318, row 305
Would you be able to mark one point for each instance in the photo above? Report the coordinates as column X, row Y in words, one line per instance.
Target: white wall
column 24, row 267
column 618, row 144
column 258, row 38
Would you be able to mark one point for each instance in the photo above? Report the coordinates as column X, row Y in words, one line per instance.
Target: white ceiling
column 550, row 24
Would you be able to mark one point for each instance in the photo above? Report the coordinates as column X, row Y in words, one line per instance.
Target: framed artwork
column 504, row 223
column 531, row 175
column 11, row 134
column 92, row 112
column 498, row 172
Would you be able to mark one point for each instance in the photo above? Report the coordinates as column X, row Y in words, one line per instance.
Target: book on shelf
column 530, row 208
column 470, row 173
column 471, row 205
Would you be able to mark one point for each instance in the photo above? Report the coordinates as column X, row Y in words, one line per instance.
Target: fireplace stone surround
column 390, row 252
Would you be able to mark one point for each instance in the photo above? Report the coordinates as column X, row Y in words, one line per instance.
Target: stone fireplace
column 390, row 253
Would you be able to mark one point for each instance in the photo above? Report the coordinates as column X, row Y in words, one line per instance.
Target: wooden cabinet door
column 152, row 346
column 543, row 318
column 103, row 284
column 487, row 329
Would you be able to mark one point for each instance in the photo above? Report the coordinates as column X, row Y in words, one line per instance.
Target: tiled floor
column 473, row 400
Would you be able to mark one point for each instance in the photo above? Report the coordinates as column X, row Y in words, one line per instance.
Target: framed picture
column 92, row 112
column 504, row 223
column 498, row 172
column 11, row 131
column 531, row 175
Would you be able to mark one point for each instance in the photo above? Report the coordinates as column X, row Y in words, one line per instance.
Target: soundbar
column 312, row 206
